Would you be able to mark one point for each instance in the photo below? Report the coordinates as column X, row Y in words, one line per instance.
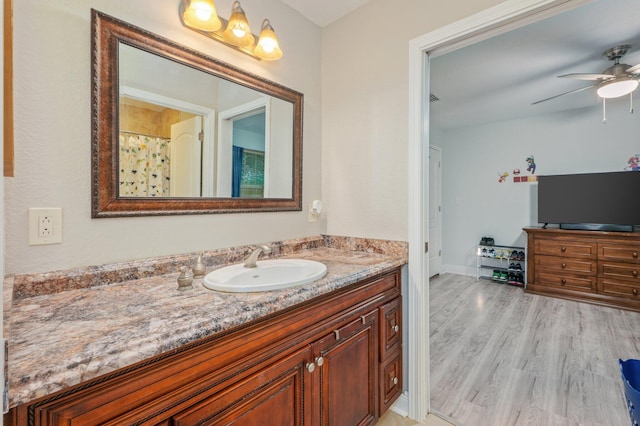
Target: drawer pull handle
column 635, row 291
column 337, row 334
column 320, row 361
column 311, row 367
column 363, row 319
column 396, row 328
column 564, row 265
column 563, row 281
column 563, row 249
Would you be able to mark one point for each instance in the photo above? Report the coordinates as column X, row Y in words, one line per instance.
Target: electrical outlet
column 45, row 226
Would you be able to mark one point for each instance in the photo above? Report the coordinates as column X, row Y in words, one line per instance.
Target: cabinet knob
column 396, row 328
column 394, row 381
column 563, row 249
column 563, row 281
column 311, row 367
column 319, row 361
column 564, row 265
column 635, row 291
column 635, row 254
column 635, row 274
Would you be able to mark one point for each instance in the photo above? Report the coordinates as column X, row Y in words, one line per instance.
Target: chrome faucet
column 250, row 262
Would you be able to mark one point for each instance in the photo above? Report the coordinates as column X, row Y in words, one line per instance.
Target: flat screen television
column 592, row 201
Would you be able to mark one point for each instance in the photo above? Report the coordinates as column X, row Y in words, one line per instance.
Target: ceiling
column 498, row 79
column 324, row 12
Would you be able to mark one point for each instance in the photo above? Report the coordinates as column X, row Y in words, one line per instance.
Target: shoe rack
column 502, row 264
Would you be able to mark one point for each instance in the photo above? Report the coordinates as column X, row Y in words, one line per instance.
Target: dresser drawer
column 628, row 289
column 626, row 271
column 619, row 252
column 551, row 264
column 581, row 249
column 568, row 281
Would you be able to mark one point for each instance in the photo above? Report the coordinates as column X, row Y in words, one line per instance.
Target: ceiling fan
column 617, row 80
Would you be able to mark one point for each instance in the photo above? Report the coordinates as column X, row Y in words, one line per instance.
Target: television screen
column 592, row 198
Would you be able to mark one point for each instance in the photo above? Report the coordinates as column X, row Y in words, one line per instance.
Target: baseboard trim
column 459, row 270
column 401, row 406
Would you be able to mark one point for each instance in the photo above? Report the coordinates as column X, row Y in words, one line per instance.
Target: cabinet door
column 275, row 396
column 347, row 374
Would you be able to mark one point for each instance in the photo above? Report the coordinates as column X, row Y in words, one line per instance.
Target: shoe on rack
column 496, row 274
column 514, row 255
column 492, row 253
column 512, row 266
column 503, row 276
column 490, row 241
column 521, row 255
column 484, row 252
column 517, row 267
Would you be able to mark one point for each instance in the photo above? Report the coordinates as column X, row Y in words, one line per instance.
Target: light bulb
column 204, row 13
column 268, row 47
column 239, row 32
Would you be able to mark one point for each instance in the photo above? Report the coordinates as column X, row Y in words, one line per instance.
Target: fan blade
column 634, row 69
column 565, row 93
column 580, row 76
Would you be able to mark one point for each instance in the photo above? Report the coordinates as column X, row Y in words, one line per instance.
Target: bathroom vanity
column 329, row 353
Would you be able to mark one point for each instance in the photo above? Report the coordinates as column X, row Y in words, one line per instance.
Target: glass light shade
column 238, row 31
column 268, row 47
column 201, row 14
column 617, row 88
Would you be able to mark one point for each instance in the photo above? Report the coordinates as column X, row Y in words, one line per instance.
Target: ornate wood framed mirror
column 177, row 132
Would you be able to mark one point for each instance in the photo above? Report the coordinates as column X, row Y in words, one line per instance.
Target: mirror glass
column 178, row 132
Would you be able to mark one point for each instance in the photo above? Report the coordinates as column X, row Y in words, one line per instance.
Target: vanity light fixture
column 201, row 16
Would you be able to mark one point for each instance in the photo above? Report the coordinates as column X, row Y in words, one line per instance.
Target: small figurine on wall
column 634, row 163
column 502, row 177
column 531, row 165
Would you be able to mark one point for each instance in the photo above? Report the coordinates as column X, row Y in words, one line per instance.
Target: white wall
column 476, row 205
column 53, row 134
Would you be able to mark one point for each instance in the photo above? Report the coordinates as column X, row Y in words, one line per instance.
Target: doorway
column 496, row 20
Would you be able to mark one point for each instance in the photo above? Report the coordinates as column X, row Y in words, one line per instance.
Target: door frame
column 496, row 20
column 208, row 128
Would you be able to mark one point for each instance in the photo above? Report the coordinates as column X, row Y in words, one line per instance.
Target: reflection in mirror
column 168, row 138
column 177, row 132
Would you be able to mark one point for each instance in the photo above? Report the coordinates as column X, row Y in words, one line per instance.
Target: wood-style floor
column 501, row 357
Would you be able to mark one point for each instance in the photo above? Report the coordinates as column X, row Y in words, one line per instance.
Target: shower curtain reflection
column 144, row 165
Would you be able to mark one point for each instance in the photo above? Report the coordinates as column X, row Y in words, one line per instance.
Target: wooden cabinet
column 592, row 266
column 334, row 360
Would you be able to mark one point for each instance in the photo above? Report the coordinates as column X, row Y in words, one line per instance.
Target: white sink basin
column 268, row 275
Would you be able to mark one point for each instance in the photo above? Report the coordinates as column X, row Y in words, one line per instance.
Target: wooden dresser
column 591, row 266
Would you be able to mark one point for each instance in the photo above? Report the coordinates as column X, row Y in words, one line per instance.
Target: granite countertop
column 67, row 336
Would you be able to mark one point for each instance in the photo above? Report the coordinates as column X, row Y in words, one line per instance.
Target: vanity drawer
column 568, row 281
column 390, row 380
column 549, row 264
column 391, row 327
column 619, row 252
column 558, row 247
column 627, row 289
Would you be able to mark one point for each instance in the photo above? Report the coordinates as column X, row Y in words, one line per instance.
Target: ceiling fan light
column 616, row 88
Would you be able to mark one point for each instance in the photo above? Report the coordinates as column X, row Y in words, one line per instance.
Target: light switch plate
column 45, row 226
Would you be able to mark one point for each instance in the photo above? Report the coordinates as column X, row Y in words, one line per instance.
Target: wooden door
column 345, row 383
